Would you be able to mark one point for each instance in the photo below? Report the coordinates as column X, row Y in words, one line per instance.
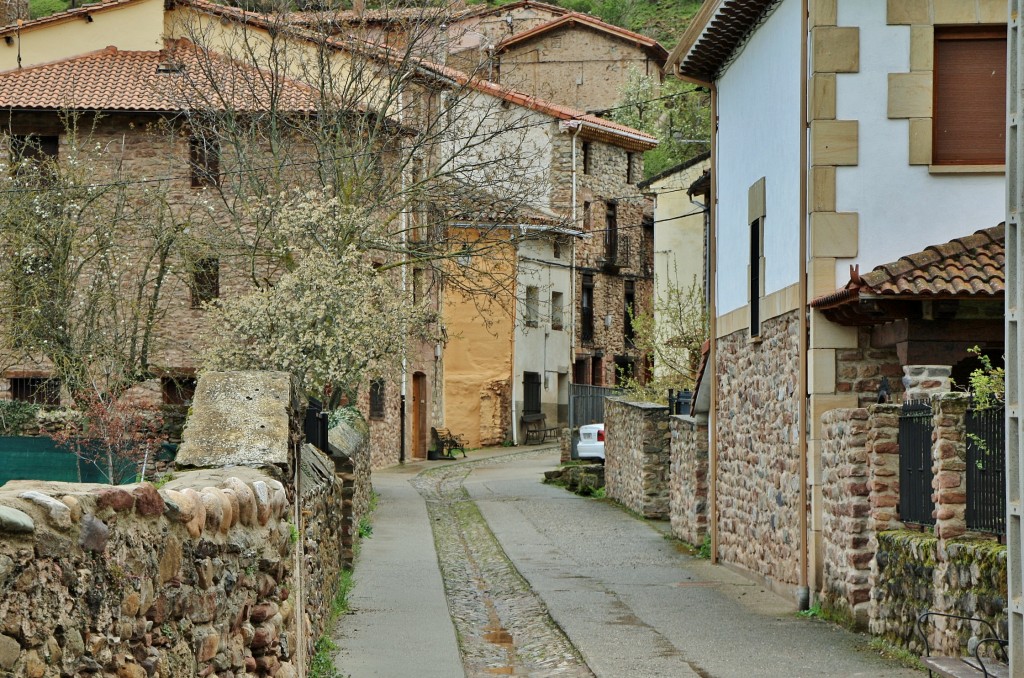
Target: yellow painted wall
column 135, row 26
column 476, row 355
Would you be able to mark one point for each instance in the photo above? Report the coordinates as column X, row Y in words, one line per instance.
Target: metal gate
column 586, row 406
column 986, row 469
column 915, row 441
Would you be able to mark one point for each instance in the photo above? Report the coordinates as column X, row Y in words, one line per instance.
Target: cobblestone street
column 539, row 582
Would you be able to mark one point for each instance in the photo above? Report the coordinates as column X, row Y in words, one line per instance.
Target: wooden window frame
column 204, row 161
column 204, row 281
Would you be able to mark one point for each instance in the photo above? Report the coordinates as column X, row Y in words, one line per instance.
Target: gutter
column 803, row 593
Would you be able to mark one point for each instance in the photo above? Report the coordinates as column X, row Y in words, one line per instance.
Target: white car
column 591, row 445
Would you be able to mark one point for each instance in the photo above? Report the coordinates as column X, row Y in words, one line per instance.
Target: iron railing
column 986, row 469
column 915, row 441
column 679, row 401
column 315, row 426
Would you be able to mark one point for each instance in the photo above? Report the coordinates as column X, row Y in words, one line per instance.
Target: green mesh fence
column 41, row 458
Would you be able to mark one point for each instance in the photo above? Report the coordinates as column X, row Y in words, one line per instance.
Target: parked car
column 591, row 445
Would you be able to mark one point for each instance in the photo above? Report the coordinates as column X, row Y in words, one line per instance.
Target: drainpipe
column 405, row 364
column 572, row 265
column 803, row 592
column 300, row 641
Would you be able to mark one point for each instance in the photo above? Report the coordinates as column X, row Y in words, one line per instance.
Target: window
column 531, row 393
column 630, row 171
column 556, row 311
column 177, row 390
column 43, row 391
column 755, row 270
column 596, row 371
column 611, row 230
column 556, row 250
column 969, row 117
column 625, row 370
column 587, row 309
column 581, row 371
column 588, row 215
column 34, row 151
column 531, row 311
column 417, row 285
column 588, row 158
column 204, row 161
column 377, row 391
column 205, row 281
column 628, row 309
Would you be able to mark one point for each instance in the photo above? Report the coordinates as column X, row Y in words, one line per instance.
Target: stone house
column 871, row 139
column 588, row 261
column 680, row 227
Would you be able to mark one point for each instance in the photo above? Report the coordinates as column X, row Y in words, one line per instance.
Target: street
column 530, row 580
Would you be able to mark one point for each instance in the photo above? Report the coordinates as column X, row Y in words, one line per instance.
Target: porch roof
column 715, row 33
column 971, row 267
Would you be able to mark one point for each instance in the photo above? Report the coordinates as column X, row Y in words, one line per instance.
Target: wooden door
column 419, row 415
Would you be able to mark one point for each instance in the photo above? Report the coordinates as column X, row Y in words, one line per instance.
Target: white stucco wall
column 759, row 116
column 542, row 349
column 902, row 208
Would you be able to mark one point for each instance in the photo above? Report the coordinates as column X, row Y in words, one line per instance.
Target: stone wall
column 914, row 572
column 637, row 456
column 759, row 472
column 860, row 370
column 350, row 447
column 688, row 480
column 846, row 508
column 197, row 577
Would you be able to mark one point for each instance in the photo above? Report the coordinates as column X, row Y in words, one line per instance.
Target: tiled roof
column 972, row 266
column 718, row 29
column 180, row 76
column 607, row 130
column 652, row 46
column 68, row 14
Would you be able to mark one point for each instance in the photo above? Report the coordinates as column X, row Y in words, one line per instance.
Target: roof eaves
column 650, row 44
column 720, row 28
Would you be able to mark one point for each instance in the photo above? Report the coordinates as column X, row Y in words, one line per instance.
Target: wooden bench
column 537, row 429
column 971, row 665
column 446, row 442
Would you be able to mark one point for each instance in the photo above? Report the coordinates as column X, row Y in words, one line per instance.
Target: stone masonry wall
column 688, row 480
column 637, row 456
column 197, row 577
column 759, row 471
column 861, row 370
column 846, row 508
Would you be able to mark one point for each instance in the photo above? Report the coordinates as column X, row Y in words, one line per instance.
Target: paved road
column 542, row 583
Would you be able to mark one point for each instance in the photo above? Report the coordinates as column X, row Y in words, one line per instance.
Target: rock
column 170, row 559
column 60, row 514
column 236, row 515
column 195, row 526
column 262, row 495
column 94, row 534
column 74, row 506
column 246, row 500
column 130, row 604
column 148, row 501
column 208, row 647
column 74, row 645
column 10, row 650
column 180, row 507
column 131, row 671
column 263, row 612
column 286, row 670
column 214, row 508
column 35, row 667
column 13, row 520
column 117, row 499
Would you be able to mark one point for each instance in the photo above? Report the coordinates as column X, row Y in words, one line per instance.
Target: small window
column 204, row 160
column 587, row 309
column 532, row 308
column 756, row 270
column 417, row 285
column 588, row 215
column 556, row 310
column 34, row 151
column 969, row 118
column 630, row 171
column 556, row 250
column 588, row 158
column 611, row 230
column 531, row 393
column 43, row 391
column 178, row 390
column 377, row 392
column 205, row 281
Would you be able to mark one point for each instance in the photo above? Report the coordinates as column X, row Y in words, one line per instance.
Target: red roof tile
column 66, row 15
column 972, row 266
column 179, row 77
column 573, row 18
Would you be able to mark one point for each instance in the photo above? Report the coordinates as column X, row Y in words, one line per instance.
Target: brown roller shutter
column 969, row 121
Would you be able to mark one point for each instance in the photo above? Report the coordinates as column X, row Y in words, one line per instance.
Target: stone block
column 835, row 49
column 954, row 12
column 910, row 95
column 904, row 12
column 834, row 234
column 992, row 12
column 922, row 48
column 834, row 142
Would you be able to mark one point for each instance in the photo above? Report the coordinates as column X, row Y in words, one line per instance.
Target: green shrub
column 15, row 415
column 40, row 8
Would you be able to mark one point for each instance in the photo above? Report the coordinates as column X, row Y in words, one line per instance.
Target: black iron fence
column 986, row 469
column 679, row 401
column 316, row 426
column 915, row 441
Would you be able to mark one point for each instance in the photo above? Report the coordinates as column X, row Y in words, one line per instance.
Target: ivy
column 15, row 415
